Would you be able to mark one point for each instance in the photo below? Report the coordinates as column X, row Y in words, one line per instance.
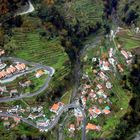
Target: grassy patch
column 66, row 97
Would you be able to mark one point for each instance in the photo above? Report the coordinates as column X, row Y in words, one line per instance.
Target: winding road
column 36, row 65
column 63, row 109
column 52, row 123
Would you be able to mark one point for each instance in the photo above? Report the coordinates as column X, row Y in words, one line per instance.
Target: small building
column 104, row 66
column 92, row 94
column 56, row 107
column 86, row 86
column 6, row 124
column 125, row 54
column 2, row 74
column 13, row 92
column 120, row 68
column 39, row 73
column 20, row 67
column 99, row 86
column 92, row 113
column 17, row 120
column 3, row 89
column 2, row 52
column 78, row 113
column 100, row 92
column 108, row 85
column 32, row 117
column 83, row 99
column 103, row 76
column 97, row 111
column 2, row 65
column 90, row 126
column 94, row 59
column 25, row 84
column 42, row 123
column 112, row 61
column 71, row 128
column 111, row 52
column 106, row 111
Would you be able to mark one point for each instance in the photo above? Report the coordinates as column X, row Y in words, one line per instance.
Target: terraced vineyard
column 85, row 13
column 128, row 39
column 34, row 48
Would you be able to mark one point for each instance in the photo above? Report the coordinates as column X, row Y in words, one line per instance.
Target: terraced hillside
column 128, row 39
column 34, row 48
column 81, row 15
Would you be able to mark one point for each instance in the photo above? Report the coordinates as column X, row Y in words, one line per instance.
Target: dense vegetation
column 67, row 24
column 130, row 125
column 129, row 12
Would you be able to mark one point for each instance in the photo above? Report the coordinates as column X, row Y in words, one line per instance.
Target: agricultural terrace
column 32, row 47
column 81, row 13
column 128, row 39
column 118, row 97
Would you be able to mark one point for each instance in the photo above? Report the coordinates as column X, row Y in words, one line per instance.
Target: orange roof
column 3, row 73
column 91, row 126
column 106, row 111
column 18, row 67
column 97, row 111
column 55, row 107
column 23, row 65
column 13, row 68
column 40, row 72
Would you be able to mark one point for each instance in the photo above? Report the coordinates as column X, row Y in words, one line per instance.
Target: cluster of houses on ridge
column 97, row 95
column 12, row 69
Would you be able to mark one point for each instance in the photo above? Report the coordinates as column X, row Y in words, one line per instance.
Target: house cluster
column 9, row 124
column 94, row 96
column 127, row 55
column 12, row 69
column 12, row 92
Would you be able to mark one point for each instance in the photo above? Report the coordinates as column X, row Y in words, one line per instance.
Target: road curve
column 29, row 10
column 53, row 123
column 36, row 65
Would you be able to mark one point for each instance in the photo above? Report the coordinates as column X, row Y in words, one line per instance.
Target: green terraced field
column 85, row 13
column 34, row 48
column 120, row 99
column 128, row 40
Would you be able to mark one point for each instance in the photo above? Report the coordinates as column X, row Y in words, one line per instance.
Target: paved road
column 52, row 123
column 36, row 65
column 65, row 108
column 30, row 8
column 78, row 73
